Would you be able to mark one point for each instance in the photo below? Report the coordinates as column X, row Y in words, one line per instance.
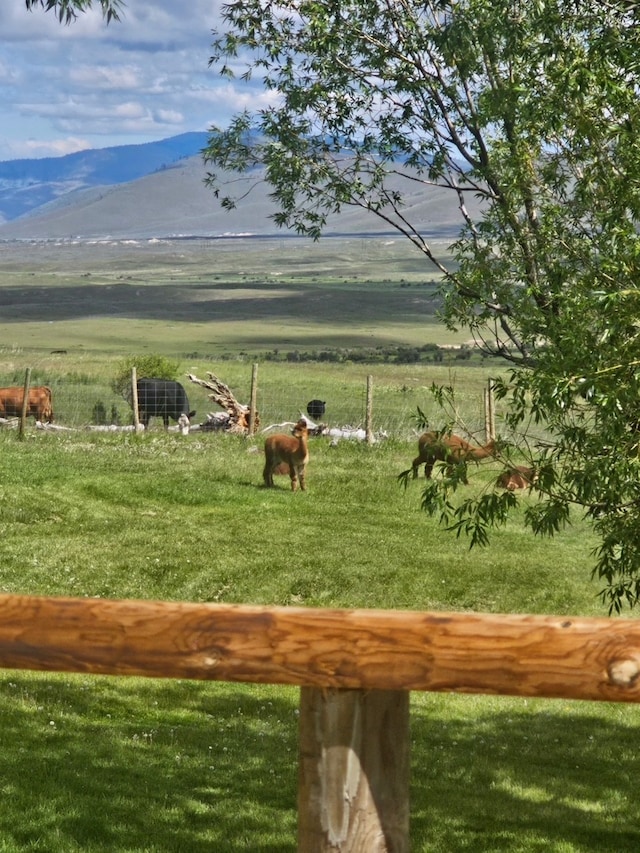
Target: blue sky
column 86, row 85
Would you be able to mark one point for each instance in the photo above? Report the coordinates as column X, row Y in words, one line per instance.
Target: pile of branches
column 235, row 416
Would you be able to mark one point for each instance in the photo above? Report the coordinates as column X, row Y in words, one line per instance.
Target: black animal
column 315, row 409
column 162, row 398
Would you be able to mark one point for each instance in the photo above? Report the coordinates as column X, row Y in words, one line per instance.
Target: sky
column 89, row 85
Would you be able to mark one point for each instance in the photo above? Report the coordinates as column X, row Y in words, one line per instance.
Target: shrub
column 99, row 414
column 147, row 367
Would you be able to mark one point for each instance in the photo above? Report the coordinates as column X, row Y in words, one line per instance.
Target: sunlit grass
column 103, row 764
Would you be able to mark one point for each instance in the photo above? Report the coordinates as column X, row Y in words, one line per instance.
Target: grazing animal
column 163, row 398
column 290, row 450
column 39, row 403
column 518, row 477
column 315, row 409
column 450, row 449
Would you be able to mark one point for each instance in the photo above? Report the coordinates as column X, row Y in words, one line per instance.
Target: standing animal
column 291, row 450
column 518, row 477
column 450, row 449
column 163, row 398
column 39, row 403
column 315, row 409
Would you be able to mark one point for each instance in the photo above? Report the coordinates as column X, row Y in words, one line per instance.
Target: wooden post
column 252, row 402
column 369, row 418
column 353, row 788
column 134, row 399
column 25, row 403
column 489, row 412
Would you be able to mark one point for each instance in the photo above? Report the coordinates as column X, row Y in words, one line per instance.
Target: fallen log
column 348, row 433
column 237, row 414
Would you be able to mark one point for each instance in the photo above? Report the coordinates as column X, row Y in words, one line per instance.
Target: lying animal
column 518, row 477
column 290, row 450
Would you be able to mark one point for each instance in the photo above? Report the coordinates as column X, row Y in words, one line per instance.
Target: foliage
column 147, row 367
column 390, row 354
column 527, row 113
column 67, row 10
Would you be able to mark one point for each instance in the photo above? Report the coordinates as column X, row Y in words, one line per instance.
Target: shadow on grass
column 103, row 764
column 551, row 780
column 198, row 303
column 98, row 765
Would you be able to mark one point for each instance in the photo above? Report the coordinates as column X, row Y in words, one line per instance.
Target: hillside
column 27, row 184
column 176, row 202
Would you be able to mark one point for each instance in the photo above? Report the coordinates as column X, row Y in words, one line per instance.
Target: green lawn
column 102, row 764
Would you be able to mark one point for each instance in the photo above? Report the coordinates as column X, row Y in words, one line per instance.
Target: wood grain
column 353, row 787
column 549, row 656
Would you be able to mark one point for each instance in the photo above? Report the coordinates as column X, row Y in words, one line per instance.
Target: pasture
column 102, row 764
column 216, row 296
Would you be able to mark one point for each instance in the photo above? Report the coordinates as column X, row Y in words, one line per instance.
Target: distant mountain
column 26, row 185
column 171, row 200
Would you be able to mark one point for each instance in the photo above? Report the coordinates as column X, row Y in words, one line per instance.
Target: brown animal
column 450, row 449
column 282, row 468
column 39, row 403
column 290, row 450
column 518, row 477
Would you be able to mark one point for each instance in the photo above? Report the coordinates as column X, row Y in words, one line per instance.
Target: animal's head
column 184, row 422
column 494, row 446
column 316, row 408
column 300, row 429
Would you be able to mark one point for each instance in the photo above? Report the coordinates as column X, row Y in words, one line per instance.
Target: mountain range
column 158, row 190
column 28, row 184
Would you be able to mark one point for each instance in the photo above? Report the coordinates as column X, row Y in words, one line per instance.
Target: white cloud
column 105, row 77
column 169, row 117
column 54, row 148
column 8, row 75
column 129, row 110
column 143, row 78
column 19, row 25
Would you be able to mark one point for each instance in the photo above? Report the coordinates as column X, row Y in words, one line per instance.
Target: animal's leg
column 294, row 476
column 415, row 465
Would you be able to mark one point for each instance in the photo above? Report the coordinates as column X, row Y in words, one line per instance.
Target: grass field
column 146, row 766
column 218, row 296
column 104, row 764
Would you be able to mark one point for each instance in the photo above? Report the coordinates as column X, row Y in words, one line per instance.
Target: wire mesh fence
column 282, row 394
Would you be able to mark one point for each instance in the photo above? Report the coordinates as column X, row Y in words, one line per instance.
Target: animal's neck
column 483, row 452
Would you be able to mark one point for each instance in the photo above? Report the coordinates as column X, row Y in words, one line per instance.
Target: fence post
column 25, row 403
column 353, row 787
column 369, row 416
column 134, row 399
column 489, row 412
column 252, row 401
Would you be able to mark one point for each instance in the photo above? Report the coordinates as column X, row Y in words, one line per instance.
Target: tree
column 67, row 10
column 531, row 108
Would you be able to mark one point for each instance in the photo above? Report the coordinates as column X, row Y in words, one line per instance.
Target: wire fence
column 282, row 394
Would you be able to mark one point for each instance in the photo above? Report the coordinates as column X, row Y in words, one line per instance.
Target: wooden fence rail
column 355, row 668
